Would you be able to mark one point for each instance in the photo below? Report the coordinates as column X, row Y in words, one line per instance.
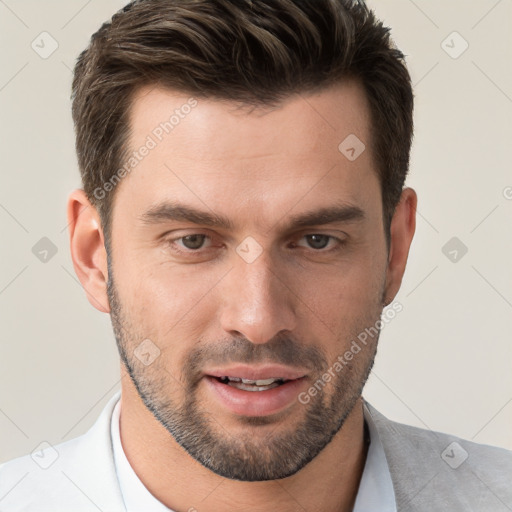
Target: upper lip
column 268, row 371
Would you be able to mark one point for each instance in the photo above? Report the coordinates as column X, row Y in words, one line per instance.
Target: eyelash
column 171, row 243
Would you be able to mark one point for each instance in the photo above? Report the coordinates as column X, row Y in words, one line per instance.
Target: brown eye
column 193, row 242
column 318, row 241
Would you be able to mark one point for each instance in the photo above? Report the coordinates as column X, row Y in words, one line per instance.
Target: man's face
column 258, row 296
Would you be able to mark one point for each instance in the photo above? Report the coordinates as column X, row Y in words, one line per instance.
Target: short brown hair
column 256, row 52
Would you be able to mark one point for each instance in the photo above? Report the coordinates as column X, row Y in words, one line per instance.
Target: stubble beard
column 280, row 453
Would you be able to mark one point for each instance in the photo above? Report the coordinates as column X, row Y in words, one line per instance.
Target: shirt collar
column 375, row 494
column 136, row 496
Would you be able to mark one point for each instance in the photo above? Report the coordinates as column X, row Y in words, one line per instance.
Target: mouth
column 252, row 385
column 255, row 391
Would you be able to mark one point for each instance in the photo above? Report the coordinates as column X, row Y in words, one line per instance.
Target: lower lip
column 255, row 403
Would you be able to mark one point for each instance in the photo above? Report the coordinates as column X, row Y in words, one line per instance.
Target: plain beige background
column 444, row 362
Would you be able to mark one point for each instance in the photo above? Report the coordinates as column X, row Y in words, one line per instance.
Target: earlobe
column 88, row 249
column 403, row 226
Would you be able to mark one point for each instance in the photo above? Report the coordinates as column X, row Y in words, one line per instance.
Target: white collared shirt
column 375, row 492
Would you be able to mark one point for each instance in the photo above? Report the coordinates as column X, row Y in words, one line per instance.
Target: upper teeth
column 261, row 382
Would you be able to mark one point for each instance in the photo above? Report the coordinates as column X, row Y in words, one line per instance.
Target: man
column 243, row 221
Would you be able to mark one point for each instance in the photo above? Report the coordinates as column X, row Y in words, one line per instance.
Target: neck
column 328, row 483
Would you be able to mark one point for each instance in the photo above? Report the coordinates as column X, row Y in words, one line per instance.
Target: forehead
column 304, row 122
column 210, row 153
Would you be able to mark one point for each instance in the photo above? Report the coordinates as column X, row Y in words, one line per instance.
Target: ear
column 403, row 226
column 88, row 249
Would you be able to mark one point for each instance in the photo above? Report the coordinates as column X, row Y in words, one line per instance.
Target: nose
column 257, row 300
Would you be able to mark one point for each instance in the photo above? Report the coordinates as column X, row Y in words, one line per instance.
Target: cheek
column 166, row 300
column 346, row 299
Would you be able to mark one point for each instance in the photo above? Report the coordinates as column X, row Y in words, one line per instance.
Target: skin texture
column 297, row 303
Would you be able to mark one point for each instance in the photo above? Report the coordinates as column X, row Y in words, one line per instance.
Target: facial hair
column 247, row 457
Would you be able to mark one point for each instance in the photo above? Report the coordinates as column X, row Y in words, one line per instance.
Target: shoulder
column 78, row 474
column 431, row 468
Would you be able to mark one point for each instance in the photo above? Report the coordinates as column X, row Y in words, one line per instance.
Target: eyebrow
column 169, row 211
column 165, row 212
